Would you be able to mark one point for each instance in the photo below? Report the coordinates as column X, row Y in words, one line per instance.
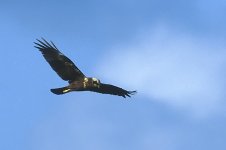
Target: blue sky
column 172, row 52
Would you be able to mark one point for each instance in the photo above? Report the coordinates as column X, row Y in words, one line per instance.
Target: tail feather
column 60, row 91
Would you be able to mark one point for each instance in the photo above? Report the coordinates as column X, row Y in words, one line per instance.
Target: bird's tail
column 60, row 91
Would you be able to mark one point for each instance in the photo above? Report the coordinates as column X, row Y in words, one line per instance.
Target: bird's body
column 87, row 84
column 68, row 71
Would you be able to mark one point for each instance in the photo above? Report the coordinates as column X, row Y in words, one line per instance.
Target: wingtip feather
column 129, row 93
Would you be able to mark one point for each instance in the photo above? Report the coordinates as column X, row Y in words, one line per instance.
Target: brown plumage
column 68, row 71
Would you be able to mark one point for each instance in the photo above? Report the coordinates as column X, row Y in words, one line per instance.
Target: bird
column 69, row 72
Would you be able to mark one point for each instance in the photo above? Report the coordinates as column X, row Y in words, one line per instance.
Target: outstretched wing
column 62, row 65
column 113, row 90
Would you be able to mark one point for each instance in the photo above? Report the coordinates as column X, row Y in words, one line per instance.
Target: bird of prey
column 68, row 71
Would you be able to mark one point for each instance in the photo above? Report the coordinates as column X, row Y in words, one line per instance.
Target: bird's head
column 96, row 82
column 91, row 82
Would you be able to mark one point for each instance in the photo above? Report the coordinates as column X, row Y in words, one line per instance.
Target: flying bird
column 68, row 71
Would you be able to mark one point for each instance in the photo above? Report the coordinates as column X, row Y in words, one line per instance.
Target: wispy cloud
column 179, row 69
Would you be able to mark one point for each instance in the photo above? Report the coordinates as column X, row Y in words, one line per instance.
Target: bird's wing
column 62, row 65
column 113, row 90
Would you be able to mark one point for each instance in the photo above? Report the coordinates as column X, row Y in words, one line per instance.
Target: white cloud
column 175, row 68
